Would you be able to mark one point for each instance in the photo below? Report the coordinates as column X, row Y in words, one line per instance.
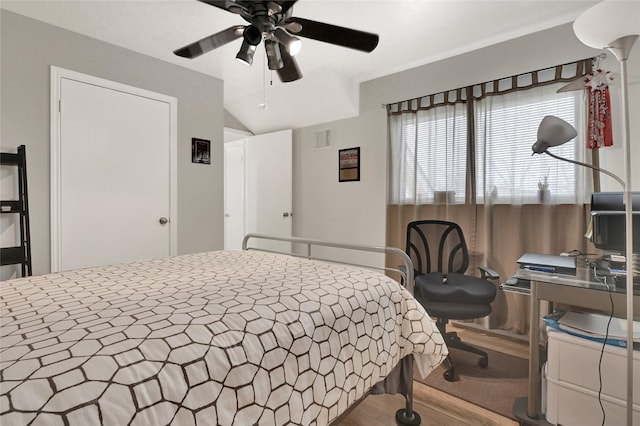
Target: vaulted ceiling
column 412, row 33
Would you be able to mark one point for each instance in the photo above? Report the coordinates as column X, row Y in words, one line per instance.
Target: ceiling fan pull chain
column 264, row 105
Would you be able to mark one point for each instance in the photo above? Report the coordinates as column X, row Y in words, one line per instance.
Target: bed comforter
column 224, row 337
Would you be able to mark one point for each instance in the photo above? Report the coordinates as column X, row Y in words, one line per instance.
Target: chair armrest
column 488, row 273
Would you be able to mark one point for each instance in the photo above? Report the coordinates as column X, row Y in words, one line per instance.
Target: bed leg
column 406, row 416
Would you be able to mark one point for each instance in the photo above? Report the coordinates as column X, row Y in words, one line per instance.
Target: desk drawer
column 569, row 405
column 573, row 382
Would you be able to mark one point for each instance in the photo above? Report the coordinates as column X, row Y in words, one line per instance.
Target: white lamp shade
column 607, row 21
column 553, row 131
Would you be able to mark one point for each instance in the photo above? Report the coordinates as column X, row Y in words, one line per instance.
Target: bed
column 225, row 337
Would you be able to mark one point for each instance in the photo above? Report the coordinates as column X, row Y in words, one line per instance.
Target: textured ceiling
column 412, row 33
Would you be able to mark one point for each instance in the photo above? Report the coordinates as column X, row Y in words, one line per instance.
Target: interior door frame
column 57, row 75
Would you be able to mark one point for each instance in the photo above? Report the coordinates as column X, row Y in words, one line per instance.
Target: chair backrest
column 437, row 246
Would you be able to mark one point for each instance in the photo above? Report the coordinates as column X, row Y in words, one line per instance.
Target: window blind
column 446, row 147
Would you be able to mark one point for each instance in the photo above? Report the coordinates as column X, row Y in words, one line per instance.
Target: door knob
column 163, row 221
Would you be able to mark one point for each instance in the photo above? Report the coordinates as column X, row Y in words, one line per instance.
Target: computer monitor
column 609, row 231
column 609, row 224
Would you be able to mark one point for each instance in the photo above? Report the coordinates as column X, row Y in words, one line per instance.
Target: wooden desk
column 584, row 290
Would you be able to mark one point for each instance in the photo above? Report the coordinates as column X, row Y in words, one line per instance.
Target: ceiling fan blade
column 228, row 5
column 290, row 71
column 341, row 36
column 286, row 5
column 207, row 44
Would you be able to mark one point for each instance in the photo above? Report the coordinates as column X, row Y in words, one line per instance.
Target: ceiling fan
column 272, row 21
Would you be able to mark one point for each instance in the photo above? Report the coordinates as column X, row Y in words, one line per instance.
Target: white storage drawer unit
column 573, row 383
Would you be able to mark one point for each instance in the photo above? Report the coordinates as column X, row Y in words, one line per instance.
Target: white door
column 112, row 173
column 264, row 193
column 234, row 195
column 269, row 171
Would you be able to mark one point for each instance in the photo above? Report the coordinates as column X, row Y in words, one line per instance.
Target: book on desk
column 548, row 263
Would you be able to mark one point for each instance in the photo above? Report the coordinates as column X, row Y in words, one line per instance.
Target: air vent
column 323, row 139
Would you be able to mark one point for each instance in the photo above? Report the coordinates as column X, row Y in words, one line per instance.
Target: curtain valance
column 560, row 73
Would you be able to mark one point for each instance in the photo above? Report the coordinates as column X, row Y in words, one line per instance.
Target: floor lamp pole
column 621, row 49
column 613, row 25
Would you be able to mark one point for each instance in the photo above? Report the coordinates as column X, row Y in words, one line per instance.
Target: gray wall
column 356, row 211
column 325, row 208
column 30, row 47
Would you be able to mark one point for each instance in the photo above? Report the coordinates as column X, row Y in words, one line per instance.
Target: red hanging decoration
column 599, row 129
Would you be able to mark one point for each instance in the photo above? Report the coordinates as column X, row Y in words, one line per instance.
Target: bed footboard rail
column 405, row 269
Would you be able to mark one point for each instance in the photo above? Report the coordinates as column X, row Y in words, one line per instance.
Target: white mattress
column 225, row 337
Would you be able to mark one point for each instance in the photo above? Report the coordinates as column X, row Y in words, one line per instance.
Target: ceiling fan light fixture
column 290, row 71
column 291, row 43
column 245, row 54
column 252, row 35
column 274, row 58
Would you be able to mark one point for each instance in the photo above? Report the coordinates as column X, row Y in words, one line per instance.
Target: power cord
column 606, row 337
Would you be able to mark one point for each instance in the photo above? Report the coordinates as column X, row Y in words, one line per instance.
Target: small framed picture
column 349, row 165
column 200, row 151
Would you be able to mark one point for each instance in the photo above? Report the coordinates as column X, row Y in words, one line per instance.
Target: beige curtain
column 497, row 234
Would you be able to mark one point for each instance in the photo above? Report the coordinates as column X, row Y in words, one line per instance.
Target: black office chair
column 440, row 258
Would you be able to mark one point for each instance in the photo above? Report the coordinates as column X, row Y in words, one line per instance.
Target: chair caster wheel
column 483, row 362
column 403, row 419
column 449, row 375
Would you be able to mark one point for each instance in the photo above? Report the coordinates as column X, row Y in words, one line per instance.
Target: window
column 432, row 172
column 506, row 127
column 429, row 150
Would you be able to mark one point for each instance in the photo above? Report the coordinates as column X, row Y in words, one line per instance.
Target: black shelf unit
column 21, row 254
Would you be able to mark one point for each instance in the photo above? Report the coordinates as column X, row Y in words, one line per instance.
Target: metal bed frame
column 404, row 416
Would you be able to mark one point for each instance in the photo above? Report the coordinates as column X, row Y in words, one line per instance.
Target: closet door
column 114, row 175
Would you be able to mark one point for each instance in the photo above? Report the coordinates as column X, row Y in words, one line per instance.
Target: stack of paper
column 594, row 327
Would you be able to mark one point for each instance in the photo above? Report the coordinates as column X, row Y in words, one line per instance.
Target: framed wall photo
column 200, row 151
column 349, row 164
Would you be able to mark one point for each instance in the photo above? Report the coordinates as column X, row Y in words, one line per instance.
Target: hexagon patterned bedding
column 224, row 337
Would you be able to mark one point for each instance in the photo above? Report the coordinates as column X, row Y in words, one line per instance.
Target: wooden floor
column 438, row 408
